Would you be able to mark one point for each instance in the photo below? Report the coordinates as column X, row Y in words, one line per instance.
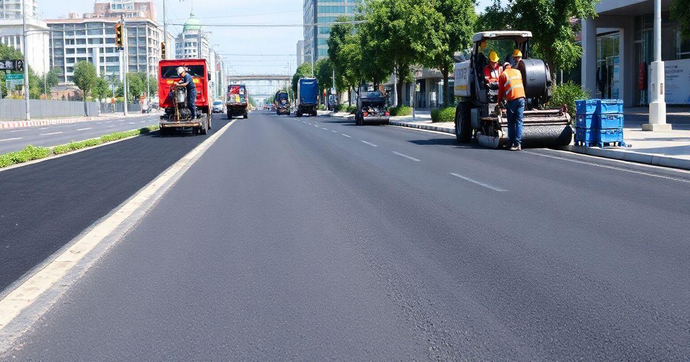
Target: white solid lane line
column 49, row 134
column 84, row 129
column 609, row 167
column 406, row 156
column 478, row 183
column 369, row 143
column 10, row 139
column 18, row 130
column 345, row 135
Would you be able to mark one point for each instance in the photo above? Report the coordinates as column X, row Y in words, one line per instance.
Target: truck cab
column 177, row 115
column 238, row 101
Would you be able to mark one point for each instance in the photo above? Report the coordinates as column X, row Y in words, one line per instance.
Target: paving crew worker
column 511, row 89
column 515, row 58
column 188, row 82
column 492, row 71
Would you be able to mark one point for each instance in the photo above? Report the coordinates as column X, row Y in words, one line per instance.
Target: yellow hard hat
column 517, row 53
column 493, row 57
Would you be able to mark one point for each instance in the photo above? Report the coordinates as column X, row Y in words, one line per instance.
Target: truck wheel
column 245, row 115
column 463, row 123
column 229, row 115
column 163, row 132
column 204, row 128
column 357, row 120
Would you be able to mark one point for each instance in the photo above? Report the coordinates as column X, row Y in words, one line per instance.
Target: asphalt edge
column 23, row 319
column 6, row 125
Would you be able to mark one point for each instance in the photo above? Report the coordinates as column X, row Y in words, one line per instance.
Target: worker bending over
column 511, row 89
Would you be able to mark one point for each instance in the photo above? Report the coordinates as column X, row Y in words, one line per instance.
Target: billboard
column 677, row 75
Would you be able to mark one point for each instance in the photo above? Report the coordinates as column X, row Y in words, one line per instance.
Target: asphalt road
column 314, row 239
column 53, row 135
column 45, row 205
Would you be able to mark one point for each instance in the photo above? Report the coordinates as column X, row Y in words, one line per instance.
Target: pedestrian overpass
column 261, row 86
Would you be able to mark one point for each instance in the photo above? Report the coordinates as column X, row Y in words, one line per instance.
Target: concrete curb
column 646, row 158
column 52, row 122
column 428, row 127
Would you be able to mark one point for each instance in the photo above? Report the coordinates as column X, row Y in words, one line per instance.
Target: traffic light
column 19, row 65
column 162, row 50
column 118, row 35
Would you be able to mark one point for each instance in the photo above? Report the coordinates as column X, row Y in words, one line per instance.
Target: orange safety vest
column 510, row 85
column 491, row 74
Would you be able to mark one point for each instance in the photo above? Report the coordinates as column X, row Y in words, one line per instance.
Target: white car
column 218, row 107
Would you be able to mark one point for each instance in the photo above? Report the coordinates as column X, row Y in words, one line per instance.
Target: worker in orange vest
column 512, row 90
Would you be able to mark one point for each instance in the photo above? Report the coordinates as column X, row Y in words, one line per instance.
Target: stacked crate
column 599, row 122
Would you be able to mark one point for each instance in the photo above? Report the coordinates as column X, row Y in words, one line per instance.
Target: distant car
column 218, row 107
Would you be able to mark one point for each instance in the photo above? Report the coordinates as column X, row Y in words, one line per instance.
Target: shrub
column 341, row 107
column 28, row 153
column 566, row 94
column 443, row 114
column 400, row 111
column 351, row 109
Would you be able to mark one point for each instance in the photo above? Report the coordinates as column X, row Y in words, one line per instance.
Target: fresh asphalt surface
column 313, row 239
column 14, row 139
column 45, row 205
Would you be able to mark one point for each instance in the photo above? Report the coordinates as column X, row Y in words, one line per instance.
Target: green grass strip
column 30, row 153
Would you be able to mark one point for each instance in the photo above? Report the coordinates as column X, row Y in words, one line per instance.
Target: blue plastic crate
column 608, row 121
column 610, row 135
column 585, row 135
column 586, row 106
column 609, row 106
column 586, row 121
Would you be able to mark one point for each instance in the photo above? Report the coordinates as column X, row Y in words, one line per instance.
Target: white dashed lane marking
column 406, row 156
column 84, row 129
column 369, row 143
column 478, row 183
column 49, row 134
column 345, row 135
column 10, row 139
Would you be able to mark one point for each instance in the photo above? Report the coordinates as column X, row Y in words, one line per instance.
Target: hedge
column 443, row 114
column 400, row 111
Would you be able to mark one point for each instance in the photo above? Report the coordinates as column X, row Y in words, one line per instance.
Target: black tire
column 463, row 123
column 278, row 113
column 358, row 120
column 204, row 128
column 163, row 132
column 229, row 115
column 245, row 115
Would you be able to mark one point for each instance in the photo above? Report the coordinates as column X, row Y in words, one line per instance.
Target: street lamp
column 26, row 62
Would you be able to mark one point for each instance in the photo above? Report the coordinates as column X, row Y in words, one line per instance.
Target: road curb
column 427, row 127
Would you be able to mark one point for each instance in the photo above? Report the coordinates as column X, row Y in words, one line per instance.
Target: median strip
column 32, row 153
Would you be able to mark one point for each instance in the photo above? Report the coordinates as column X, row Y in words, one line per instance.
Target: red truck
column 237, row 103
column 173, row 100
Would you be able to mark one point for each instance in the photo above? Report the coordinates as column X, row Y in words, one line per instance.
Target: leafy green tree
column 53, row 77
column 324, row 75
column 336, row 42
column 136, row 83
column 550, row 23
column 85, row 77
column 153, row 84
column 451, row 26
column 101, row 89
column 680, row 12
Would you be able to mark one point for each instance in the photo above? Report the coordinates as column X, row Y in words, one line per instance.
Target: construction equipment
column 173, row 99
column 477, row 113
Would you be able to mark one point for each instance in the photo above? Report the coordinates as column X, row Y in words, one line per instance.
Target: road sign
column 19, row 77
column 10, row 64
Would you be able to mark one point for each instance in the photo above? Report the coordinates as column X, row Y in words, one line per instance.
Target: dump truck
column 371, row 106
column 307, row 96
column 477, row 116
column 282, row 103
column 237, row 103
column 173, row 99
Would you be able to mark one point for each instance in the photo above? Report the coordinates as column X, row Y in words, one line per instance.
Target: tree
column 303, row 71
column 337, row 39
column 101, row 89
column 136, row 83
column 451, row 28
column 153, row 84
column 680, row 12
column 324, row 74
column 53, row 77
column 550, row 23
column 85, row 77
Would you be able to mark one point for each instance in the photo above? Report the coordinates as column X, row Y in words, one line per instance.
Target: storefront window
column 608, row 76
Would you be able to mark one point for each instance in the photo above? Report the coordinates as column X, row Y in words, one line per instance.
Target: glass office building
column 317, row 15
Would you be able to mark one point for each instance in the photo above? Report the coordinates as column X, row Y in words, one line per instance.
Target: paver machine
column 476, row 114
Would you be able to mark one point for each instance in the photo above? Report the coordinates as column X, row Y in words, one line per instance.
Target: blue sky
column 246, row 41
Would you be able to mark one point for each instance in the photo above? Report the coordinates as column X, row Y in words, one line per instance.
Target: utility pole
column 125, row 65
column 26, row 63
column 165, row 28
column 657, row 106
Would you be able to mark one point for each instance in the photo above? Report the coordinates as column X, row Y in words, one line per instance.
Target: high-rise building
column 93, row 40
column 300, row 52
column 317, row 14
column 11, row 32
column 126, row 8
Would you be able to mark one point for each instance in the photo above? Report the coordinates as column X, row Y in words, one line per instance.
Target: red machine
column 174, row 99
column 238, row 101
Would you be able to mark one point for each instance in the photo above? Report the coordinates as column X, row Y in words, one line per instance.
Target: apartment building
column 11, row 32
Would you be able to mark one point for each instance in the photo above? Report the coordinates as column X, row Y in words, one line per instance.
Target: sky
column 249, row 50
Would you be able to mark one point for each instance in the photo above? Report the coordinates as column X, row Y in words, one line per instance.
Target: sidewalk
column 670, row 149
column 66, row 120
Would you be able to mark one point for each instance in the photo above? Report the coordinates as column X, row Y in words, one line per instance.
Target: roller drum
column 546, row 135
column 535, row 78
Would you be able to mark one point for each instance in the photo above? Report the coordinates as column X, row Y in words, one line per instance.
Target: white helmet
column 180, row 70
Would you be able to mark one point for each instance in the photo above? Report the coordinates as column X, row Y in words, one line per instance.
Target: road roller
column 477, row 115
